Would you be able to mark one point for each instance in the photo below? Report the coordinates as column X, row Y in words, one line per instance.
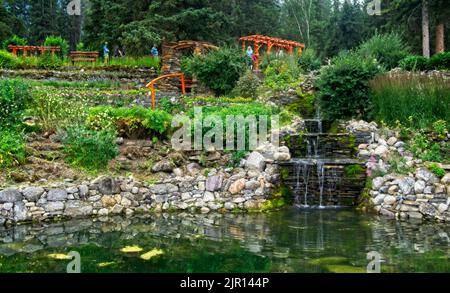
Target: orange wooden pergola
column 259, row 41
column 26, row 49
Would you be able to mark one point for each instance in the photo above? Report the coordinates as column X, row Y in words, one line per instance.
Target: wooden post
column 183, row 85
column 243, row 46
column 152, row 87
column 256, row 53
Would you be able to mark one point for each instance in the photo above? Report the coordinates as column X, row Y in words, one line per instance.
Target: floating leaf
column 105, row 264
column 152, row 253
column 131, row 249
column 60, row 256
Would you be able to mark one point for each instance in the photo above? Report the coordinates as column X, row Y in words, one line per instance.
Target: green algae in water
column 345, row 269
column 329, row 260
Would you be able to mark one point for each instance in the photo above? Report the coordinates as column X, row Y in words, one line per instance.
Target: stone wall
column 419, row 194
column 221, row 189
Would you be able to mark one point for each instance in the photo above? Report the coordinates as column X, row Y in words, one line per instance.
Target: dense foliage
column 387, row 49
column 14, row 96
column 12, row 149
column 220, row 69
column 89, row 149
column 344, row 86
column 52, row 41
column 247, row 85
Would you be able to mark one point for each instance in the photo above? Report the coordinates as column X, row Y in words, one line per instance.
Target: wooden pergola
column 26, row 49
column 259, row 41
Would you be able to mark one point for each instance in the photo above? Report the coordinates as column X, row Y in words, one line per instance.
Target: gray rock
column 117, row 209
column 252, row 185
column 379, row 199
column 2, row 221
column 415, row 215
column 193, row 169
column 377, row 183
column 205, row 210
column 442, row 208
column 392, row 141
column 214, row 183
column 256, row 161
column 229, row 206
column 209, row 196
column 282, row 157
column 164, row 166
column 446, row 179
column 10, row 195
column 158, row 188
column 239, row 200
column 428, row 190
column 84, row 191
column 8, row 206
column 419, row 186
column 407, row 185
column 390, row 200
column 33, row 193
column 103, row 212
column 381, row 150
column 53, row 206
column 57, row 195
column 427, row 210
column 72, row 190
column 387, row 213
column 20, row 212
column 426, row 176
column 76, row 208
column 393, row 190
column 107, row 185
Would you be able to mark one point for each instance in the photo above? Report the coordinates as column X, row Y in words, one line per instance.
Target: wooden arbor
column 259, row 41
column 26, row 49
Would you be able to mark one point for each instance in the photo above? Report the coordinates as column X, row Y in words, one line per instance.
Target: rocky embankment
column 248, row 187
column 416, row 194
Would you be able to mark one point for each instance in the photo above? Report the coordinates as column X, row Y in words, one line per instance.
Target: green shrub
column 423, row 148
column 387, row 49
column 14, row 96
column 309, row 61
column 53, row 41
column 344, row 86
column 437, row 170
column 138, row 39
column 220, row 69
column 440, row 61
column 7, row 60
column 440, row 129
column 414, row 63
column 89, row 149
column 247, row 86
column 186, row 66
column 15, row 40
column 411, row 99
column 12, row 149
column 135, row 122
column 283, row 73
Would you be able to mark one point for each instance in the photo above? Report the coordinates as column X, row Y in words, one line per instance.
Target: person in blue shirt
column 250, row 56
column 154, row 52
column 106, row 52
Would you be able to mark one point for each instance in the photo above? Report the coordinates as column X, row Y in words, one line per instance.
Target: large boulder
column 57, row 195
column 214, row 183
column 107, row 185
column 427, row 176
column 407, row 185
column 76, row 208
column 164, row 166
column 10, row 195
column 377, row 183
column 256, row 161
column 237, row 186
column 20, row 212
column 53, row 206
column 419, row 186
column 33, row 193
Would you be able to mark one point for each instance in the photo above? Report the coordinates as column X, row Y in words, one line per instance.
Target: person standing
column 155, row 52
column 106, row 52
column 250, row 56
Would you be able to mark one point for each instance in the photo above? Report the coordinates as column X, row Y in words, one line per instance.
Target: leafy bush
column 219, row 69
column 12, row 149
column 414, row 63
column 421, row 147
column 344, row 86
column 7, row 60
column 136, row 122
column 54, row 111
column 440, row 61
column 15, row 40
column 283, row 73
column 412, row 99
column 14, row 95
column 52, row 41
column 440, row 129
column 247, row 86
column 89, row 149
column 387, row 49
column 309, row 61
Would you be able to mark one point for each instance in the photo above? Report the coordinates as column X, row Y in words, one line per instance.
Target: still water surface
column 291, row 240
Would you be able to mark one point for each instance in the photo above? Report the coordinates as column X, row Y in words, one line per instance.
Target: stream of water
column 290, row 240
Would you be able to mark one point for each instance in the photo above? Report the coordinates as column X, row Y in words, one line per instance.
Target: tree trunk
column 440, row 39
column 425, row 29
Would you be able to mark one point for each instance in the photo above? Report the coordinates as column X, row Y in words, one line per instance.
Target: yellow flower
column 151, row 254
column 131, row 249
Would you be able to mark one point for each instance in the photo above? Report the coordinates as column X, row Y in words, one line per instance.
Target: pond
column 290, row 240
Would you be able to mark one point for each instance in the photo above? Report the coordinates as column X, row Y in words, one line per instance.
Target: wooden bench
column 76, row 56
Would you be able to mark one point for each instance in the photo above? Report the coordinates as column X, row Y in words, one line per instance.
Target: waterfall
column 302, row 170
column 321, row 179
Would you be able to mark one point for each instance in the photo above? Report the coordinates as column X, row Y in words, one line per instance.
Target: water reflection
column 286, row 241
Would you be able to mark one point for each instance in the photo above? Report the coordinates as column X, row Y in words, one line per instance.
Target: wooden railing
column 151, row 85
column 27, row 49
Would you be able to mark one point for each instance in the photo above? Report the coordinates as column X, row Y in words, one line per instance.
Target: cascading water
column 321, row 179
column 302, row 170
